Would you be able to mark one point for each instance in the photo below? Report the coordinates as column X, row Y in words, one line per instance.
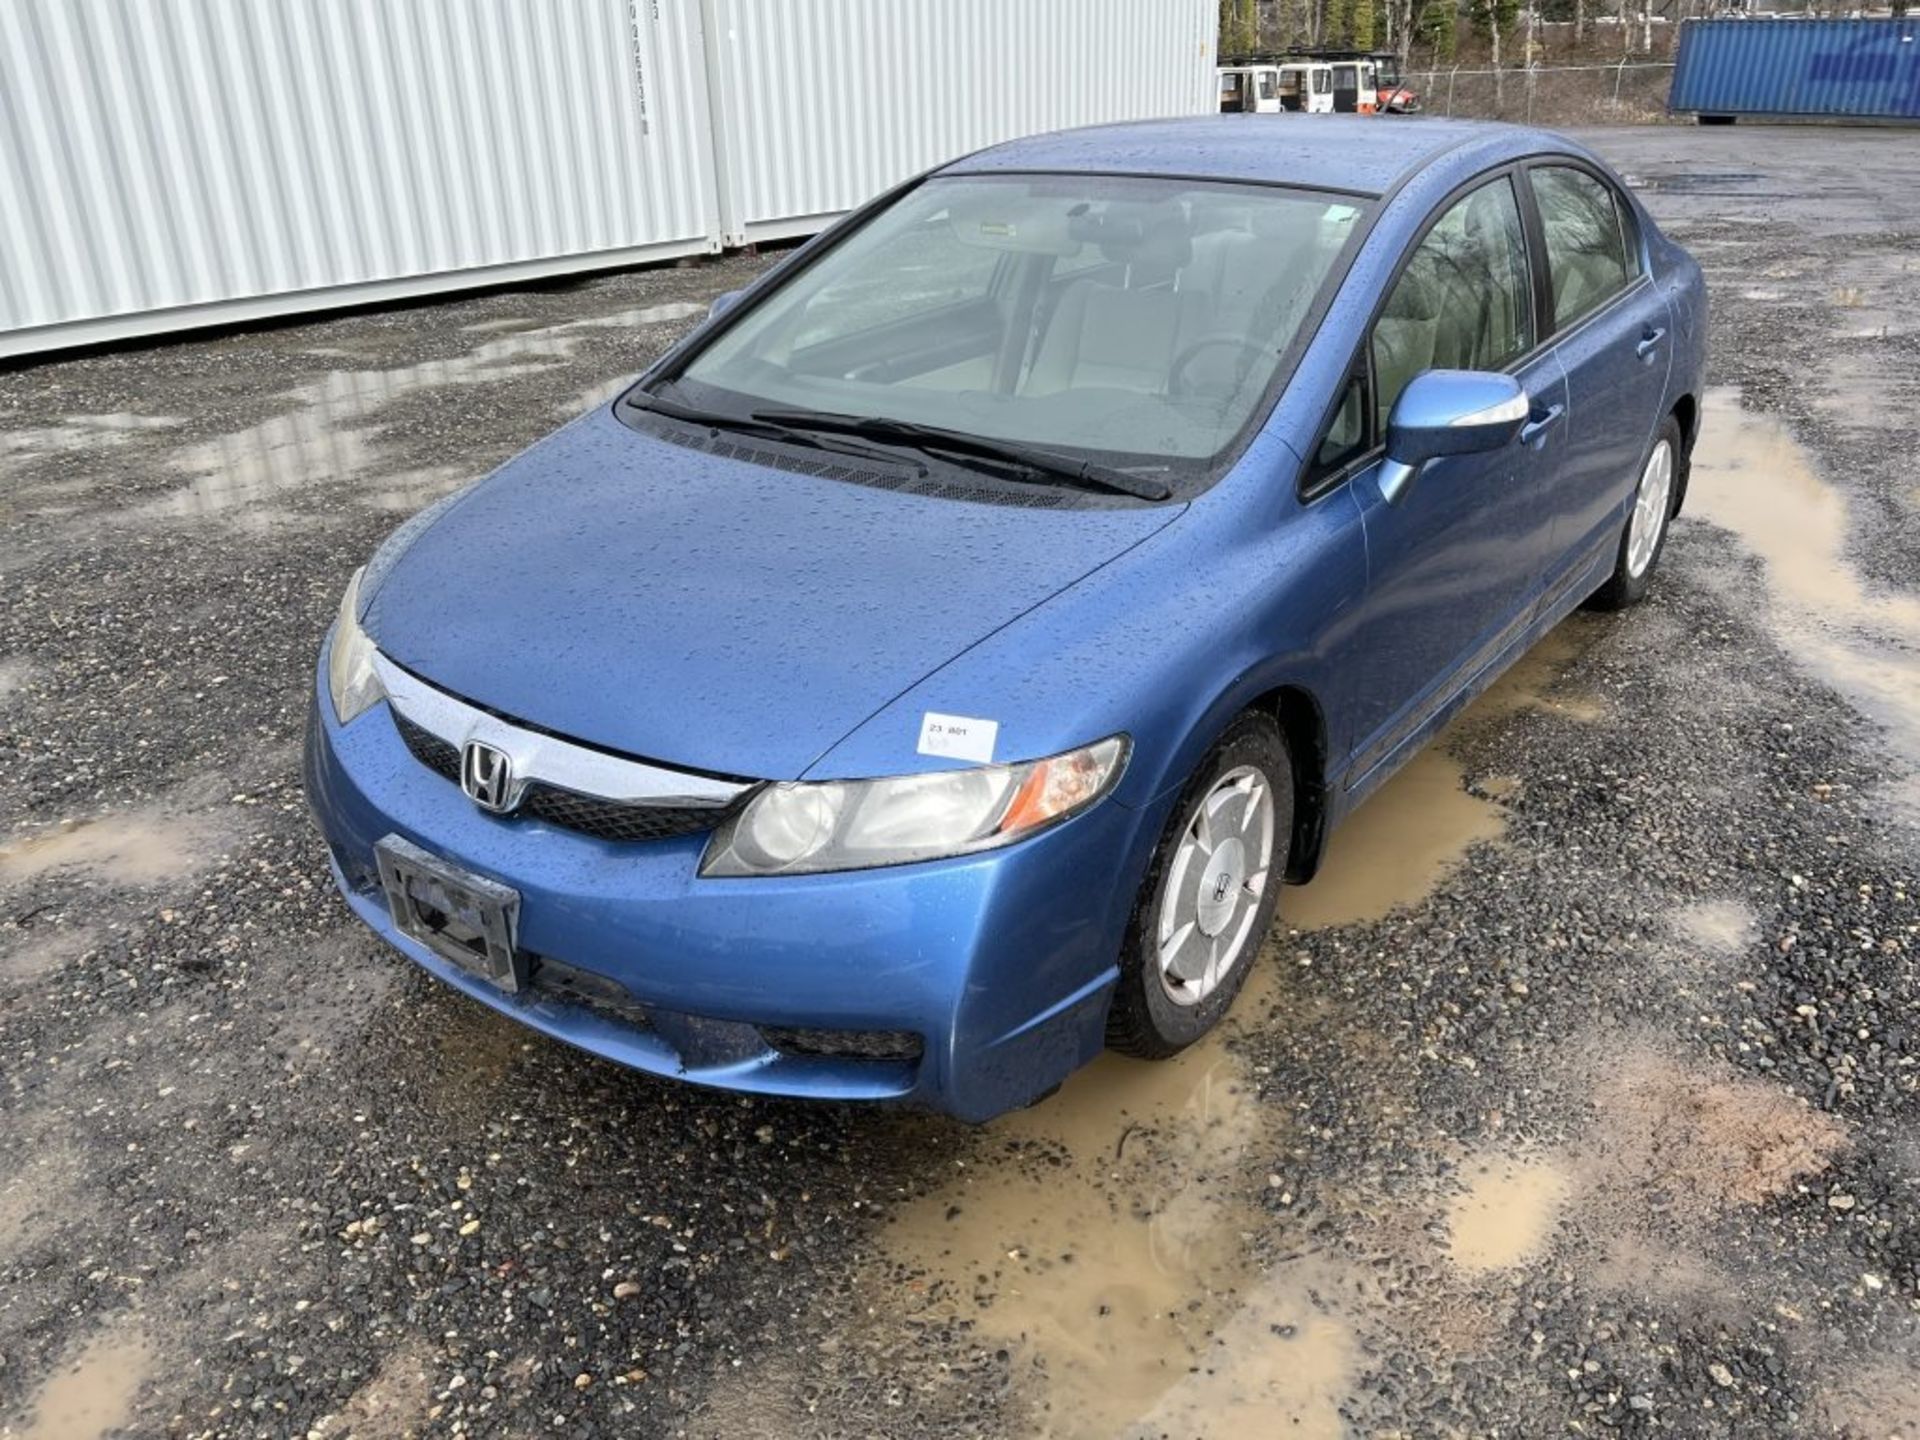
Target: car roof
column 1359, row 154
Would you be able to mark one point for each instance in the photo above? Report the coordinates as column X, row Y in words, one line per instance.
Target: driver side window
column 1464, row 300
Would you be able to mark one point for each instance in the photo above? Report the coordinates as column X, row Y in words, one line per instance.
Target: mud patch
column 1875, row 1399
column 330, row 994
column 1536, row 682
column 42, row 1188
column 93, row 1393
column 35, row 954
column 391, row 1405
column 1721, row 927
column 1506, row 1214
column 1700, row 1130
column 14, row 674
column 132, row 847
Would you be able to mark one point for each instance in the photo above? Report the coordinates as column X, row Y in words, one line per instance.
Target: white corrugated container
column 820, row 104
column 208, row 161
column 197, row 162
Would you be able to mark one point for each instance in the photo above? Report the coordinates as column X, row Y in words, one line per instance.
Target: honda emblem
column 486, row 774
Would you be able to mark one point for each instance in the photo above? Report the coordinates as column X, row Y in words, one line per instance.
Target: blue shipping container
column 1866, row 68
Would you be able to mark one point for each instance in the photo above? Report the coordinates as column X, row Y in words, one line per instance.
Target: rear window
column 1587, row 253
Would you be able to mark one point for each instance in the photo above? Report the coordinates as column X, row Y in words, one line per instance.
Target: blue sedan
column 930, row 673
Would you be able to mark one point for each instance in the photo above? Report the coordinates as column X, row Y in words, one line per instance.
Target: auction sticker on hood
column 957, row 737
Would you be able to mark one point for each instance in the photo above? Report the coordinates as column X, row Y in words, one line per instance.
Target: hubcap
column 1650, row 509
column 1214, row 884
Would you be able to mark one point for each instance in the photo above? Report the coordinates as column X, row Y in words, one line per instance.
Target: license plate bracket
column 464, row 918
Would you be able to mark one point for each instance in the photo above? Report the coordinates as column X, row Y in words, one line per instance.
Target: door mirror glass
column 1449, row 412
column 723, row 302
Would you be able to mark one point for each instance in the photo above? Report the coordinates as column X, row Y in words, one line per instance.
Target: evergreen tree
column 1365, row 25
column 1239, row 30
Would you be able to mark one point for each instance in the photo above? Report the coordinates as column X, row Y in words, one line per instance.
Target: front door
column 1614, row 339
column 1453, row 566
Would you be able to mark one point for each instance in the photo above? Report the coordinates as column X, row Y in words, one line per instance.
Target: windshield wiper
column 1084, row 473
column 757, row 425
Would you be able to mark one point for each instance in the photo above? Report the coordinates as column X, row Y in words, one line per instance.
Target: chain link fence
column 1632, row 91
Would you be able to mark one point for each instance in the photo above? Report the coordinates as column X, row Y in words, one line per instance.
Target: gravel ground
column 1581, row 1094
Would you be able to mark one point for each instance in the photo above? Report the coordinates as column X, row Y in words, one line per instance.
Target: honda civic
column 933, row 670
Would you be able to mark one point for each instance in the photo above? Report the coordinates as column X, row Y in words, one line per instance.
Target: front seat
column 1406, row 333
column 1109, row 337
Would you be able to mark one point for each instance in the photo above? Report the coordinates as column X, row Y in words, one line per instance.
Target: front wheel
column 1646, row 533
column 1208, row 899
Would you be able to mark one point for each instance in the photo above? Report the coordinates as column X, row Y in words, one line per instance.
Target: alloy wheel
column 1650, row 506
column 1220, row 869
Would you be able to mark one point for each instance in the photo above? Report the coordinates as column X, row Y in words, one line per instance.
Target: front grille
column 440, row 756
column 620, row 820
column 615, row 819
column 848, row 1044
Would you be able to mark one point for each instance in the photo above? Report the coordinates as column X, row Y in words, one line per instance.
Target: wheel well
column 1305, row 730
column 1686, row 411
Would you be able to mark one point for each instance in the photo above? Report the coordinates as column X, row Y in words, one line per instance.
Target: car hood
column 711, row 612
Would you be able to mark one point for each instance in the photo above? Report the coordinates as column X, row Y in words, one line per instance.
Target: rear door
column 1454, row 566
column 1612, row 331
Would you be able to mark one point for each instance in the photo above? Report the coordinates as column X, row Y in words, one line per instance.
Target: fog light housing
column 844, row 1044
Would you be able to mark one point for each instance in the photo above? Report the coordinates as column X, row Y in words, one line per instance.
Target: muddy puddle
column 1505, row 1214
column 1103, row 1236
column 93, row 1393
column 329, row 434
column 134, row 847
column 1395, row 847
column 1750, row 476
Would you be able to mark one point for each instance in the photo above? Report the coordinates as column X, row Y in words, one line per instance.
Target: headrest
column 1415, row 295
column 1155, row 236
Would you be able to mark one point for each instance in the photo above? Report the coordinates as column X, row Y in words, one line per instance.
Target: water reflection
column 328, row 434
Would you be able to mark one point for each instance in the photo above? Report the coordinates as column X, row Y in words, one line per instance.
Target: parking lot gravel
column 1580, row 1095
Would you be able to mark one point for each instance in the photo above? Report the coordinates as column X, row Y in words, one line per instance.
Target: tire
column 1145, row 1018
column 1633, row 567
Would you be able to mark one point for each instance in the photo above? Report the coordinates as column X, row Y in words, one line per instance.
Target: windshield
column 1139, row 320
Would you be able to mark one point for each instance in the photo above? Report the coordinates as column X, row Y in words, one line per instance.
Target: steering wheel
column 1177, row 371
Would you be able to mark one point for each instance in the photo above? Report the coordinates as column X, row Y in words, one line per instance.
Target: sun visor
column 990, row 223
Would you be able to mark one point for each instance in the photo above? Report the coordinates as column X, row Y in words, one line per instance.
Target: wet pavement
column 1580, row 1093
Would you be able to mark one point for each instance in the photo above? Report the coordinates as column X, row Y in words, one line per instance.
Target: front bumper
column 1001, row 963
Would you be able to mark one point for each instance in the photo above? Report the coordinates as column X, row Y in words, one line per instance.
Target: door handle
column 1648, row 340
column 1537, row 426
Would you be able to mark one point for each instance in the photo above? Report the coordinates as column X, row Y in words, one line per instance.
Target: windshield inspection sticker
column 958, row 737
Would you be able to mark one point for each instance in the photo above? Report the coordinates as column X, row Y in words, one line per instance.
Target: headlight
column 351, row 680
column 795, row 828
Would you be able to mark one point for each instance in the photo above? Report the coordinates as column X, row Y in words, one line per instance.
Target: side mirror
column 723, row 302
column 1449, row 412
